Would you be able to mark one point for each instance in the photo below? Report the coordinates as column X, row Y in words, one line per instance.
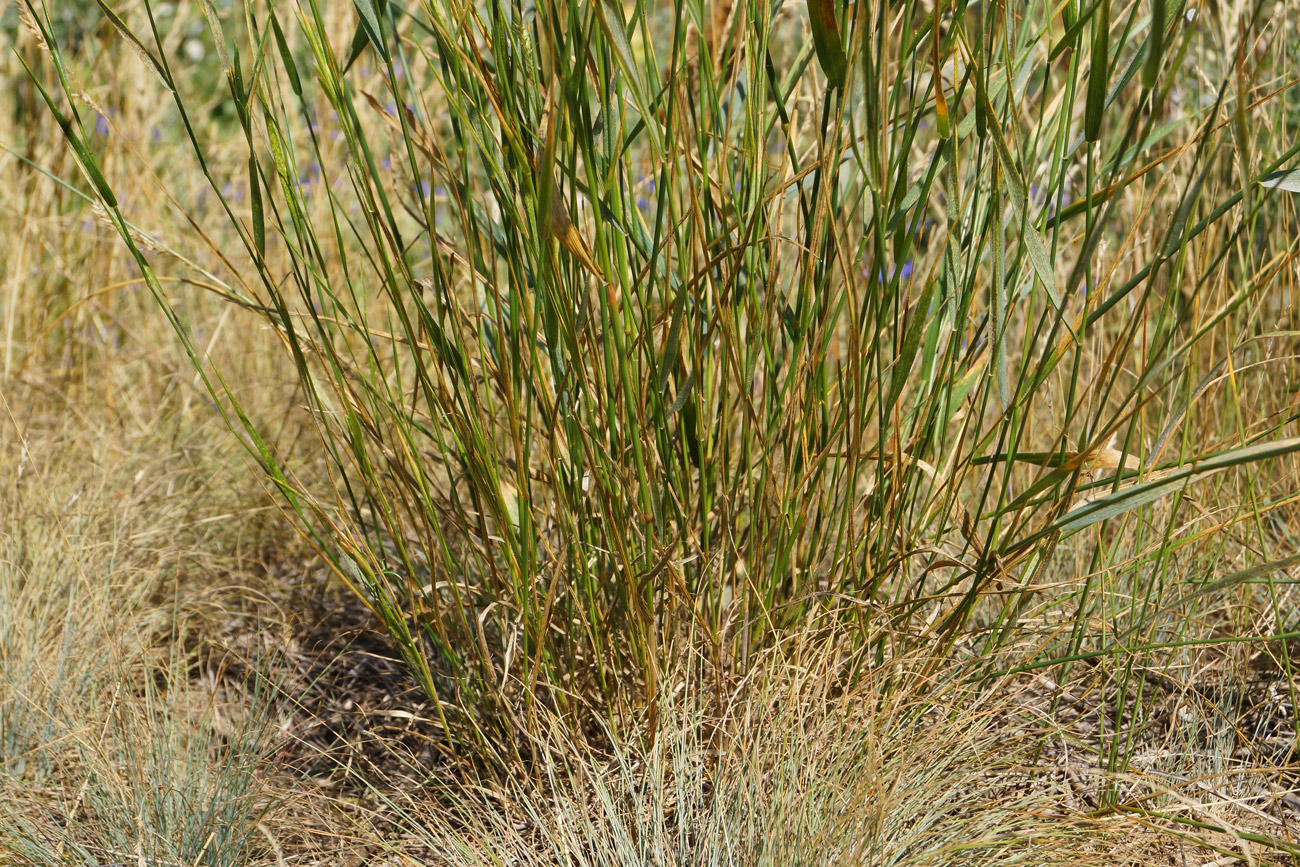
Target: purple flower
column 643, row 204
column 904, row 273
column 1052, row 206
column 101, row 125
column 386, row 163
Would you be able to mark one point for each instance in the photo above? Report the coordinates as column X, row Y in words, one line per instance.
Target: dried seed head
column 29, row 24
column 142, row 240
column 1108, row 458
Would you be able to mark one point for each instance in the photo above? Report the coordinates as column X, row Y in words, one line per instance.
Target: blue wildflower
column 903, row 273
column 1052, row 206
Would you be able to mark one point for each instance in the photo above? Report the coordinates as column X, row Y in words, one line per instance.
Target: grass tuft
column 629, row 338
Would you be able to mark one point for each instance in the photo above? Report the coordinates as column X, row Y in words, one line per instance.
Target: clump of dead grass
column 129, row 528
column 108, row 749
column 804, row 762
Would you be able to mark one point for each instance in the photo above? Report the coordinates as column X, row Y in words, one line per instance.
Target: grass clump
column 107, row 750
column 158, row 785
column 794, row 769
column 120, row 551
column 639, row 333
